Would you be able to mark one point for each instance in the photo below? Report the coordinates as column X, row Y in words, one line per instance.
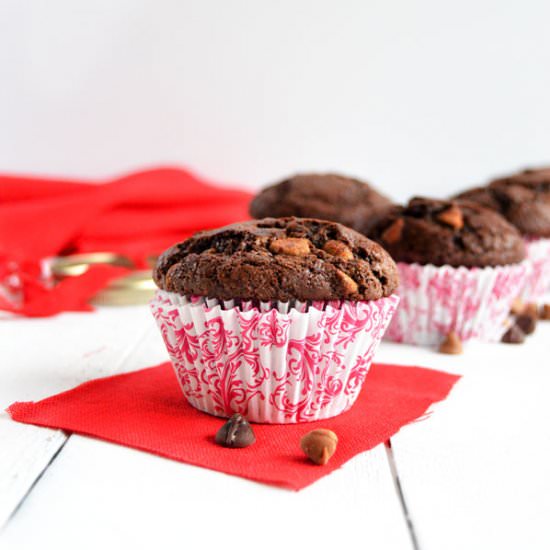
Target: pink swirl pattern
column 437, row 300
column 538, row 282
column 268, row 364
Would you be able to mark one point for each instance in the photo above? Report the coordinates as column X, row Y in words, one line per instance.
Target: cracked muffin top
column 523, row 199
column 455, row 233
column 332, row 197
column 278, row 259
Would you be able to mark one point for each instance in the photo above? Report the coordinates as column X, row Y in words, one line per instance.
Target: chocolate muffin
column 278, row 259
column 332, row 197
column 454, row 233
column 523, row 199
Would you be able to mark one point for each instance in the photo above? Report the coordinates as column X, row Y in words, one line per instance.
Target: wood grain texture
column 475, row 473
column 139, row 500
column 25, row 451
column 40, row 357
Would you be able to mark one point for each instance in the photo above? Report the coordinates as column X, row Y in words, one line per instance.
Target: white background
column 421, row 97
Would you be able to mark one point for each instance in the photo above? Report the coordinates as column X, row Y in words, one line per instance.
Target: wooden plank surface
column 139, row 500
column 40, row 357
column 101, row 495
column 25, row 451
column 475, row 474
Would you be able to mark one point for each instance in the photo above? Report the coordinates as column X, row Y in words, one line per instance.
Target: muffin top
column 324, row 196
column 278, row 259
column 523, row 199
column 456, row 233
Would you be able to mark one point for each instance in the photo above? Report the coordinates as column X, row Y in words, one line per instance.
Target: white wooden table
column 475, row 474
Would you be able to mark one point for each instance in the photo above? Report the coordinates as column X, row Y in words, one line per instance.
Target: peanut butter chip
column 319, row 445
column 350, row 286
column 393, row 233
column 517, row 307
column 544, row 312
column 451, row 345
column 338, row 249
column 532, row 310
column 452, row 216
column 290, row 246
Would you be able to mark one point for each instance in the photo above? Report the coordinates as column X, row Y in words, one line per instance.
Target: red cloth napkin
column 71, row 294
column 138, row 215
column 146, row 410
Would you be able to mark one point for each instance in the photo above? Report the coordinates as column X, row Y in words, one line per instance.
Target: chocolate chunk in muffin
column 331, row 197
column 278, row 259
column 523, row 199
column 456, row 233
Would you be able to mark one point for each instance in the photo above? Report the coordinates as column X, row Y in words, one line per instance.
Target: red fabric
column 146, row 410
column 138, row 215
column 71, row 294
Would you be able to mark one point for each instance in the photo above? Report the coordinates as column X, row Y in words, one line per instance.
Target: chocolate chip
column 290, row 246
column 527, row 323
column 514, row 335
column 452, row 216
column 319, row 445
column 236, row 432
column 393, row 233
column 544, row 312
column 338, row 249
column 451, row 345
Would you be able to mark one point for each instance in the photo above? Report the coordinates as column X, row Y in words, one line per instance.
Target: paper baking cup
column 538, row 281
column 275, row 362
column 473, row 302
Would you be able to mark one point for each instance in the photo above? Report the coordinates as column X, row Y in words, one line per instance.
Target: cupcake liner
column 538, row 281
column 473, row 302
column 273, row 362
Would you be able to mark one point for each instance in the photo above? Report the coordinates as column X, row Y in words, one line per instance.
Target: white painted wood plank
column 24, row 453
column 101, row 495
column 98, row 494
column 469, row 473
column 40, row 357
column 475, row 474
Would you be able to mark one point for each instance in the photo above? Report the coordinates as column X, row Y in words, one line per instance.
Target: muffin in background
column 524, row 200
column 460, row 268
column 275, row 319
column 333, row 197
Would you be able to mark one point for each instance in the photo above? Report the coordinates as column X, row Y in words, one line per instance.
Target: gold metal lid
column 77, row 264
column 136, row 288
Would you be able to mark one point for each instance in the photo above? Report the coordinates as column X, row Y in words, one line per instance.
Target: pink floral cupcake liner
column 272, row 362
column 538, row 281
column 473, row 302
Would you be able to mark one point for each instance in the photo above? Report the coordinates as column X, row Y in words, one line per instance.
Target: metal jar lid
column 135, row 288
column 77, row 264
